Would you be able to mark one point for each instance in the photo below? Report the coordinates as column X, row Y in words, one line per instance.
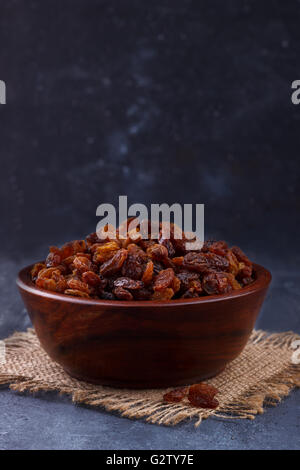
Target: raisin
column 76, row 293
column 145, row 244
column 105, row 251
column 157, row 267
column 78, row 245
column 233, row 262
column 107, row 233
column 176, row 284
column 190, row 294
column 54, row 249
column 46, row 273
column 178, row 261
column 84, row 255
column 195, row 262
column 245, row 266
column 148, row 273
column 48, row 284
column 133, row 267
column 69, row 260
column 202, row 396
column 95, row 246
column 51, row 279
column 217, row 262
column 168, row 263
column 164, row 294
column 136, row 251
column 240, row 255
column 164, row 279
column 196, row 286
column 71, row 248
column 56, row 275
column 179, row 246
column 186, row 277
column 157, row 252
column 36, row 269
column 53, row 259
column 216, row 283
column 175, row 396
column 61, row 285
column 92, row 238
column 244, row 274
column 92, row 279
column 233, row 282
column 219, row 248
column 78, row 285
column 206, row 245
column 127, row 283
column 123, row 227
column 168, row 244
column 177, row 242
column 203, row 262
column 107, row 295
column 82, row 264
column 114, row 264
column 134, row 235
column 122, row 294
column 57, row 281
column 142, row 294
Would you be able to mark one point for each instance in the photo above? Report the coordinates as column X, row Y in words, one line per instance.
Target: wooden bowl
column 144, row 344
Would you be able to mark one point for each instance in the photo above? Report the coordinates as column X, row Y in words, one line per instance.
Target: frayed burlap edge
column 148, row 405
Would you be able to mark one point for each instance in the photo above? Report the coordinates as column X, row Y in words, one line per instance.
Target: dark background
column 163, row 101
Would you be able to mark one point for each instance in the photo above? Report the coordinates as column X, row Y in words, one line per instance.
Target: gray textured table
column 52, row 422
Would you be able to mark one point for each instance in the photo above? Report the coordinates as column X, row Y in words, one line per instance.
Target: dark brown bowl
column 144, row 344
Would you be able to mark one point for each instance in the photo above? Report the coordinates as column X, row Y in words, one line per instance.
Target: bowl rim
column 263, row 279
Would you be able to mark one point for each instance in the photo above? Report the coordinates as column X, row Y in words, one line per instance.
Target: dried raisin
column 130, row 267
column 176, row 395
column 114, row 264
column 164, row 279
column 127, row 283
column 202, row 396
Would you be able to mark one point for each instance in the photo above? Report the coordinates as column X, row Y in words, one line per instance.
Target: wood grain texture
column 144, row 344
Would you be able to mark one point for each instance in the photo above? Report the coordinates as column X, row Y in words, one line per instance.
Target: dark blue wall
column 165, row 101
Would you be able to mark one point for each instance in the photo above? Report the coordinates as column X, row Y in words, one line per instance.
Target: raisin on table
column 202, row 396
column 176, row 395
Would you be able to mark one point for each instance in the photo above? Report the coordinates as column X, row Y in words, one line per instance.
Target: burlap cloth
column 261, row 375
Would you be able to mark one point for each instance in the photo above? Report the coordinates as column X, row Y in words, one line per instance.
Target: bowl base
column 146, row 384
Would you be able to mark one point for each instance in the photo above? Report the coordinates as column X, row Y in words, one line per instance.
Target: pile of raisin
column 139, row 269
column 200, row 395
